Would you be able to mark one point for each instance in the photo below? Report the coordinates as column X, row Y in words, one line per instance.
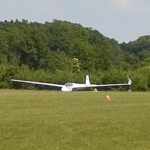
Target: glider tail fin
column 87, row 80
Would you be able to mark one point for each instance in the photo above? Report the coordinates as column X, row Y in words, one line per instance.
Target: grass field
column 54, row 120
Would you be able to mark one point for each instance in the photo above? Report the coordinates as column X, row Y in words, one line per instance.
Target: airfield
column 79, row 120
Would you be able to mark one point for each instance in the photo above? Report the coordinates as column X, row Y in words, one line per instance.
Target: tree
column 146, row 62
column 75, row 65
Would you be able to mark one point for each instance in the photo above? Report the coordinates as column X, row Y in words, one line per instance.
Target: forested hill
column 58, row 51
column 53, row 45
column 139, row 47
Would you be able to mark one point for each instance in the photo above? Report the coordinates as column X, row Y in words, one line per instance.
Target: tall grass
column 53, row 120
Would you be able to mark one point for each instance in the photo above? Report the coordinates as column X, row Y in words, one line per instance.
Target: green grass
column 54, row 120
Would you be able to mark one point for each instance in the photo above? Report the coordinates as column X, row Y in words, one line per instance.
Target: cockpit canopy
column 69, row 84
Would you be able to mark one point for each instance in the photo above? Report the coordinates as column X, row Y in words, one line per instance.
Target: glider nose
column 65, row 89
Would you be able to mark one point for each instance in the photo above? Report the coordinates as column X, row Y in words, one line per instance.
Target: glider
column 68, row 87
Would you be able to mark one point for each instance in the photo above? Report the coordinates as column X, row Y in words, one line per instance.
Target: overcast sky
column 123, row 20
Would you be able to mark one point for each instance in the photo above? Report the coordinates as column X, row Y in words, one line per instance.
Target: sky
column 123, row 20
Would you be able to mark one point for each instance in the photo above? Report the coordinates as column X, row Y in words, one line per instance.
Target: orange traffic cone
column 95, row 90
column 107, row 98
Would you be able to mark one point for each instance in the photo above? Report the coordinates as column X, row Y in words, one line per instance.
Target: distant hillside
column 53, row 45
column 139, row 47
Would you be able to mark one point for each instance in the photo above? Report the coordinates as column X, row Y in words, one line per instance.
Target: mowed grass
column 80, row 120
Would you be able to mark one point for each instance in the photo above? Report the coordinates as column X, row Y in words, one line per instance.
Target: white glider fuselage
column 68, row 87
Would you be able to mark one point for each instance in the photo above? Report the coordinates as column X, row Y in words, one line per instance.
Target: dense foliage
column 61, row 51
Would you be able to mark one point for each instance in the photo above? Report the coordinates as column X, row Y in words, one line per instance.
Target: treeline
column 60, row 52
